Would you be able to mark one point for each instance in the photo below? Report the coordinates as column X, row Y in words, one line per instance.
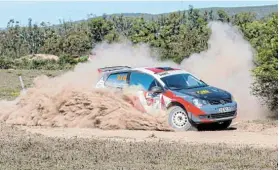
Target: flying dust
column 227, row 64
column 70, row 100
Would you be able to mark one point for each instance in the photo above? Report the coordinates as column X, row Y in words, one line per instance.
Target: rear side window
column 142, row 79
column 117, row 80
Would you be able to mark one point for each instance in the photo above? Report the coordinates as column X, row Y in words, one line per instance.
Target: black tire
column 178, row 119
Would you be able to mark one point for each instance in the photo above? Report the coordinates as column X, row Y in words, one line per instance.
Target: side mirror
column 156, row 89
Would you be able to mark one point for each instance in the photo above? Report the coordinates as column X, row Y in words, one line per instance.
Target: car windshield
column 182, row 81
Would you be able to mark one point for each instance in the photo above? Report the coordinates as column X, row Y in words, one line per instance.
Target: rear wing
column 113, row 68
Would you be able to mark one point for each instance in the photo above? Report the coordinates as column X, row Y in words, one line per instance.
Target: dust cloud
column 70, row 100
column 227, row 64
column 75, row 107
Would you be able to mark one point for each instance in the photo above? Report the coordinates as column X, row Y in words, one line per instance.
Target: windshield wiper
column 176, row 88
column 193, row 87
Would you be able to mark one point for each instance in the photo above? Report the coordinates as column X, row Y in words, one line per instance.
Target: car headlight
column 199, row 103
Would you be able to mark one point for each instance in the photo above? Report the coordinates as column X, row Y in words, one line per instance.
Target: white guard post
column 22, row 85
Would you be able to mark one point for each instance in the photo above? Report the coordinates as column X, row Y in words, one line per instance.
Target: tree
column 76, row 44
column 193, row 17
column 223, row 16
column 211, row 16
column 242, row 19
column 53, row 43
column 11, row 39
column 33, row 37
column 264, row 38
column 99, row 28
column 122, row 25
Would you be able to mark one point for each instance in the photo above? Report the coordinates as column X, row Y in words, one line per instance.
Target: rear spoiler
column 106, row 69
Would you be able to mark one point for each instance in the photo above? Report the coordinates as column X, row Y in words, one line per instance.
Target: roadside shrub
column 82, row 59
column 65, row 62
column 43, row 64
column 6, row 63
column 67, row 59
column 21, row 64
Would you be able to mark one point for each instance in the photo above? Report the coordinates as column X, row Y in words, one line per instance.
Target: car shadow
column 213, row 128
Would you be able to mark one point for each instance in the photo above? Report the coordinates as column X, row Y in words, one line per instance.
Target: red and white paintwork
column 145, row 102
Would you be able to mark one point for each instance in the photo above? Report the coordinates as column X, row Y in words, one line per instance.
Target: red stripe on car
column 187, row 105
column 155, row 70
column 176, row 69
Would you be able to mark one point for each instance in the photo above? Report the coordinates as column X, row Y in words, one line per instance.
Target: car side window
column 142, row 79
column 117, row 80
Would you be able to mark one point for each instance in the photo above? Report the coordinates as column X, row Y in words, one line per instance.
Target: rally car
column 189, row 101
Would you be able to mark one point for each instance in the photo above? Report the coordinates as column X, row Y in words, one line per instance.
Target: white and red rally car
column 188, row 100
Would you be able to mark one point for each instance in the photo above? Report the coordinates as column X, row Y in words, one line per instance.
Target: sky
column 52, row 11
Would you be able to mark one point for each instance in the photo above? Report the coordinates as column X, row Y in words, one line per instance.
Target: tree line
column 175, row 36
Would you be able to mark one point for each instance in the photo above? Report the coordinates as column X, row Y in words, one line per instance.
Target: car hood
column 205, row 93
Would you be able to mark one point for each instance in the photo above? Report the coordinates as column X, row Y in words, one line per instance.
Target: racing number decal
column 149, row 99
column 152, row 100
column 122, row 78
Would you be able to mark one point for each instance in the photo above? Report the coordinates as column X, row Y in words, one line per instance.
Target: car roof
column 154, row 71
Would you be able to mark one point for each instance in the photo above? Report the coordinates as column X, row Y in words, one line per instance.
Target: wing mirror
column 157, row 89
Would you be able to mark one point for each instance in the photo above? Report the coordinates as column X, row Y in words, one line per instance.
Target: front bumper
column 213, row 113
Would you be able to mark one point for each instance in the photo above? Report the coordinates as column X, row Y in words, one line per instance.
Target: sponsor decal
column 164, row 73
column 203, row 92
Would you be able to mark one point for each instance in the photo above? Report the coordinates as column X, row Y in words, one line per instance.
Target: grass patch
column 10, row 85
column 8, row 93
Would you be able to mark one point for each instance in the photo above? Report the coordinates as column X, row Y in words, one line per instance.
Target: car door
column 150, row 101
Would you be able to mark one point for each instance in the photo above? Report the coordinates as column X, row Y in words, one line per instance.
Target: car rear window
column 116, row 80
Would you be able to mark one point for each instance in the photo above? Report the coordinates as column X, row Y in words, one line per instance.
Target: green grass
column 10, row 85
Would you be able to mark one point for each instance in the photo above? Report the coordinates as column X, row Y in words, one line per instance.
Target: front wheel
column 178, row 119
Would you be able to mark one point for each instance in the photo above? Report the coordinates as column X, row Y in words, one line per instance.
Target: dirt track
column 247, row 146
column 243, row 133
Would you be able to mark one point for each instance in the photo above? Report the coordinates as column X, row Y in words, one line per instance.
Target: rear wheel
column 178, row 119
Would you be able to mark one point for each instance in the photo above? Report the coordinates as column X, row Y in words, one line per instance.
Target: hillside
column 260, row 11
